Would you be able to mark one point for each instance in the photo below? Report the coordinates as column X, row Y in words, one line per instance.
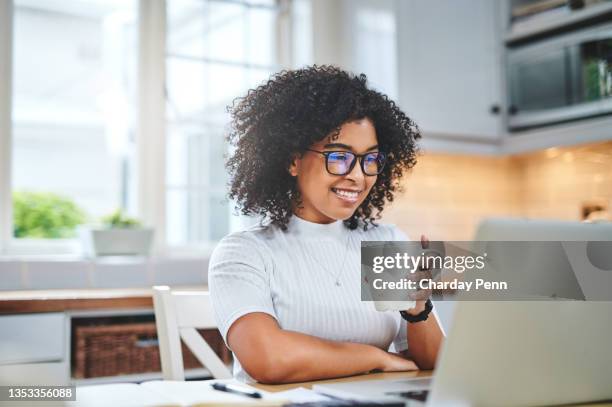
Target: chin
column 343, row 214
column 340, row 210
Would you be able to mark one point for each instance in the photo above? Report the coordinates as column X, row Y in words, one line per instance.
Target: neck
column 307, row 229
column 306, row 212
column 314, row 218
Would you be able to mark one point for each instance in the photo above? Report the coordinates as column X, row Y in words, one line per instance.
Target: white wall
column 360, row 36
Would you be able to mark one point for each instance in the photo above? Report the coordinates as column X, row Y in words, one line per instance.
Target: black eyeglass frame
column 359, row 157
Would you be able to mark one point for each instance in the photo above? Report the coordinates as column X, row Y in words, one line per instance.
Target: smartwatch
column 421, row 316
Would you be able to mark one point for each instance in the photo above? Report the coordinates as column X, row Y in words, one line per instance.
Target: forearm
column 296, row 357
column 273, row 355
column 424, row 342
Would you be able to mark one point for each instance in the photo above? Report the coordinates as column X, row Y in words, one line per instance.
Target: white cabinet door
column 30, row 338
column 36, row 374
column 449, row 66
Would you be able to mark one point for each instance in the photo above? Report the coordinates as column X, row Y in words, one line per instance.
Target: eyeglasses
column 343, row 162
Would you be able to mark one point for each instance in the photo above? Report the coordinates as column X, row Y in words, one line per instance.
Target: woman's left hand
column 420, row 296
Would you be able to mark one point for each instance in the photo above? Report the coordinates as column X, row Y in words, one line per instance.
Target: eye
column 371, row 158
column 339, row 156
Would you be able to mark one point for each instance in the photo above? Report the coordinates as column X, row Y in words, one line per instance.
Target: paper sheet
column 200, row 393
column 299, row 395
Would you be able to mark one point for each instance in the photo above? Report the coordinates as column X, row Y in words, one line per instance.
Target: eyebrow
column 346, row 146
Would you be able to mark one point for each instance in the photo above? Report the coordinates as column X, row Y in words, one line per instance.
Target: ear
column 294, row 166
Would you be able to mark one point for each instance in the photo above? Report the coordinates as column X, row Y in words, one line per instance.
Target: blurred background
column 112, row 124
column 119, row 105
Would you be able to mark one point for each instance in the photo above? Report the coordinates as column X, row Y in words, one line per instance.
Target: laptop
column 515, row 353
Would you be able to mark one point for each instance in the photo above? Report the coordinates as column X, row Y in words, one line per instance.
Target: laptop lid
column 525, row 353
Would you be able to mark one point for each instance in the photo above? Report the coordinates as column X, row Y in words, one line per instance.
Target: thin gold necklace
column 339, row 273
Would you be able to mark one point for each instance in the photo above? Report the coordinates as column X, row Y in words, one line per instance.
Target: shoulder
column 248, row 236
column 245, row 246
column 383, row 232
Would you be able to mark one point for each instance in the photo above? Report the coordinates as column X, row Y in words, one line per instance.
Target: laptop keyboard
column 420, row 395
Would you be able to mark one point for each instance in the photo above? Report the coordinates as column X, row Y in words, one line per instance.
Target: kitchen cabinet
column 450, row 59
column 54, row 337
column 33, row 349
column 32, row 338
column 452, row 66
column 440, row 60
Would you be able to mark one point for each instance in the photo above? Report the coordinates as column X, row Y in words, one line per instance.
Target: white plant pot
column 118, row 242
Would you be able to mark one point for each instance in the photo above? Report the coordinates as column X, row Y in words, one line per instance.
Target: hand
column 421, row 296
column 419, row 306
column 396, row 363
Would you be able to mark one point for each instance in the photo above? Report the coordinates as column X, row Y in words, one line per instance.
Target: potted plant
column 120, row 236
column 44, row 215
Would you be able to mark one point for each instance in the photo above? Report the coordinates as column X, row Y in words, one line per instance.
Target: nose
column 356, row 173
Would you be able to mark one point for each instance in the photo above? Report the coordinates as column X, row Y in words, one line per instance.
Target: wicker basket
column 132, row 348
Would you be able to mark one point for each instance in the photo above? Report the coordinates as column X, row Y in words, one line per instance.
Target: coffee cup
column 373, row 278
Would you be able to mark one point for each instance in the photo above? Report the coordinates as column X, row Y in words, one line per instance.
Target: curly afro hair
column 291, row 111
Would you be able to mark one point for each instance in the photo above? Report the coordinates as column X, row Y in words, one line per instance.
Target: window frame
column 282, row 50
column 6, row 124
column 151, row 126
column 151, row 76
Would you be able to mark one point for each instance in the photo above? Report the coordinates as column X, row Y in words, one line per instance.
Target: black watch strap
column 421, row 316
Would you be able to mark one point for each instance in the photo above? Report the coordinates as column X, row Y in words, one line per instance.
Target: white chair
column 177, row 315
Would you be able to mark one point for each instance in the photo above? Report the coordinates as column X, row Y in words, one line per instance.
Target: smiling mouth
column 348, row 195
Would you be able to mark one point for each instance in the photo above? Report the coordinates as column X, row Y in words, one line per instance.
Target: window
column 75, row 112
column 216, row 51
column 375, row 32
column 74, row 68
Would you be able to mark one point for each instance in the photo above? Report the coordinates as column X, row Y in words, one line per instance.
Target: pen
column 230, row 388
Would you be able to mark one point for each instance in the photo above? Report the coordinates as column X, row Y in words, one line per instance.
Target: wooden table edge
column 34, row 301
column 362, row 377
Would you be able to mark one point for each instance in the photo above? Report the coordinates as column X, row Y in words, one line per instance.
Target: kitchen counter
column 45, row 341
column 59, row 300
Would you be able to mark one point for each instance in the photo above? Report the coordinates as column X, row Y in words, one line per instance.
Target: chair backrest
column 177, row 315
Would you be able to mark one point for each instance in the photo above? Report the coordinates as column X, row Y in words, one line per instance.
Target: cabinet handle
column 495, row 109
column 146, row 342
column 512, row 110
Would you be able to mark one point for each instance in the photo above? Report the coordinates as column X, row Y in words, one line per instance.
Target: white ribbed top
column 292, row 276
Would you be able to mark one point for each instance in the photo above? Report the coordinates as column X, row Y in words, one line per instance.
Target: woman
column 317, row 155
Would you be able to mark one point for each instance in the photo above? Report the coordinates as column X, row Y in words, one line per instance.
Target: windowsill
column 75, row 272
column 72, row 250
column 24, row 248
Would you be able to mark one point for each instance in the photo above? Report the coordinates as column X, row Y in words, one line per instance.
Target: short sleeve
column 238, row 280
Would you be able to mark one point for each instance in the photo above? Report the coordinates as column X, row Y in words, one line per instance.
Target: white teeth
column 351, row 195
